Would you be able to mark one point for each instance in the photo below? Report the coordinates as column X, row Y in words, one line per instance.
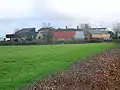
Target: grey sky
column 32, row 13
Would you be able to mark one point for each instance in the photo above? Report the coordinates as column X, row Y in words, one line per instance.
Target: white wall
column 118, row 34
column 79, row 35
column 39, row 35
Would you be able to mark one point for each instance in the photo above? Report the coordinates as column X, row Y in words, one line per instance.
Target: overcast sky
column 32, row 13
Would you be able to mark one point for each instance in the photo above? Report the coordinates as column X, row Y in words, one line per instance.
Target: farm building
column 10, row 36
column 49, row 34
column 60, row 34
column 26, row 34
column 99, row 33
column 68, row 34
column 23, row 34
column 44, row 34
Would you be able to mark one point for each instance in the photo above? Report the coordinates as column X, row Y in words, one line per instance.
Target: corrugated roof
column 47, row 28
column 25, row 30
column 98, row 30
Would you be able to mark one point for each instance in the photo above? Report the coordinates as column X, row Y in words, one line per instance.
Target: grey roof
column 44, row 29
column 25, row 30
column 98, row 30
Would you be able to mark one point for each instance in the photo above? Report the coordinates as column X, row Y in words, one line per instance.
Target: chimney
column 77, row 27
column 66, row 27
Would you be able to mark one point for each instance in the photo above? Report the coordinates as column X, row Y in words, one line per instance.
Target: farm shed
column 99, row 33
column 59, row 34
column 10, row 36
column 26, row 34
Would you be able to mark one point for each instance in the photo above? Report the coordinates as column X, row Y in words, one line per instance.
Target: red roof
column 63, row 34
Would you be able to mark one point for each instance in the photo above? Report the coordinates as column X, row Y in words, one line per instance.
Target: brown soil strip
column 101, row 72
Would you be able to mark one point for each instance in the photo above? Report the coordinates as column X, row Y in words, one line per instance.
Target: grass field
column 20, row 65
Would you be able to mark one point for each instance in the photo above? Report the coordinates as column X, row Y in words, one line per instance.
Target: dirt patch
column 101, row 72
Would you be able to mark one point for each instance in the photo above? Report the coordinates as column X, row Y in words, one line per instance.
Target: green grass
column 20, row 65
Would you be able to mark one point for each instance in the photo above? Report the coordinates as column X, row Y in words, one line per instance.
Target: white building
column 79, row 35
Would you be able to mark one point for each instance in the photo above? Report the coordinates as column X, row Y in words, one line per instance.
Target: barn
column 27, row 34
column 56, row 35
column 99, row 33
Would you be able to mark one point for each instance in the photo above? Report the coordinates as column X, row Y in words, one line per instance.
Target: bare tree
column 47, row 34
column 117, row 26
column 46, row 25
column 85, row 26
column 16, row 30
